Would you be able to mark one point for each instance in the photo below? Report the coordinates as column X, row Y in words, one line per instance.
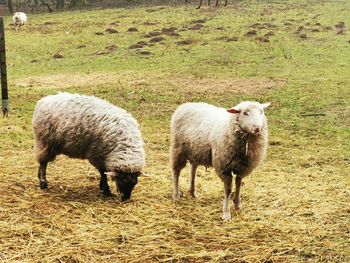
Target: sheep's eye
column 246, row 113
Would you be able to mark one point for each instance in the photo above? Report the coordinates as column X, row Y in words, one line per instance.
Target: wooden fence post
column 4, row 93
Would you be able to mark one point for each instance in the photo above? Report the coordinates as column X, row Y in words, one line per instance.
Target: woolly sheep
column 19, row 19
column 90, row 128
column 231, row 141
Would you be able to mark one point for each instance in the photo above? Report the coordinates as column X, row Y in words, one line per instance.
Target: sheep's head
column 251, row 117
column 125, row 183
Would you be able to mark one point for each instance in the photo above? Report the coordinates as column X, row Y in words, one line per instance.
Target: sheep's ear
column 113, row 175
column 144, row 175
column 233, row 111
column 265, row 105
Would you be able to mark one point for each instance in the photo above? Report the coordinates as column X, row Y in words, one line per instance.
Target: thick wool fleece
column 208, row 135
column 19, row 19
column 90, row 128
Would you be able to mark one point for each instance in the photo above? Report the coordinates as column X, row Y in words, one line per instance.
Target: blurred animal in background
column 19, row 19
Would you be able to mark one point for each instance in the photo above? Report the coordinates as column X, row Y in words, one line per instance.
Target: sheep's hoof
column 236, row 203
column 107, row 194
column 237, row 207
column 192, row 194
column 43, row 185
column 176, row 196
column 226, row 216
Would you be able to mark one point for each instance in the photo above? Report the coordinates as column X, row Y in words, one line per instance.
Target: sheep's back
column 193, row 127
column 86, row 127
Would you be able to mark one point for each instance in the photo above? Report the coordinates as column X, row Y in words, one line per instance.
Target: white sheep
column 19, row 19
column 231, row 141
column 90, row 128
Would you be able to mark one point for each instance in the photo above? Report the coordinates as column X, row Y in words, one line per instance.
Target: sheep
column 87, row 127
column 19, row 19
column 231, row 141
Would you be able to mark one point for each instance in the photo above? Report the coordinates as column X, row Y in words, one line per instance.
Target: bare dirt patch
column 303, row 36
column 156, row 39
column 172, row 34
column 57, row 55
column 144, row 52
column 227, row 39
column 169, row 29
column 199, row 21
column 153, row 34
column 341, row 32
column 115, row 23
column 263, row 26
column 341, row 24
column 183, row 84
column 246, row 86
column 262, row 39
column 136, row 46
column 184, row 42
column 251, row 33
column 111, row 47
column 269, row 34
column 99, row 53
column 196, row 27
column 111, row 30
column 132, row 29
column 66, row 80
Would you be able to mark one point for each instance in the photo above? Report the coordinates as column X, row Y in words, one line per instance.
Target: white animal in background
column 231, row 141
column 19, row 19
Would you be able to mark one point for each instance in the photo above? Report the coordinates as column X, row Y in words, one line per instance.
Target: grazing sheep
column 19, row 19
column 90, row 128
column 231, row 141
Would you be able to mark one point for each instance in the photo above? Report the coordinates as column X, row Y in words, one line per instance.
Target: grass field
column 295, row 207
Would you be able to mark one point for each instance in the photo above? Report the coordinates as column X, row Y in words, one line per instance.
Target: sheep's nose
column 256, row 129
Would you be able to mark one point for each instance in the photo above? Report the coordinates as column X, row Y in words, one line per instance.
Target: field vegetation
column 295, row 207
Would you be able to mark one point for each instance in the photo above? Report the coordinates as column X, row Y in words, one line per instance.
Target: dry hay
column 292, row 209
column 284, row 218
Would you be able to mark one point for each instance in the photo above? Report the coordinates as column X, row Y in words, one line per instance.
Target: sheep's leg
column 236, row 199
column 42, row 175
column 193, row 176
column 200, row 4
column 104, row 184
column 217, row 3
column 225, row 3
column 178, row 163
column 226, row 214
column 176, row 192
column 208, row 2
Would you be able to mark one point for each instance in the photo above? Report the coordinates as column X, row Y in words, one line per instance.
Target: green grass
column 295, row 207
